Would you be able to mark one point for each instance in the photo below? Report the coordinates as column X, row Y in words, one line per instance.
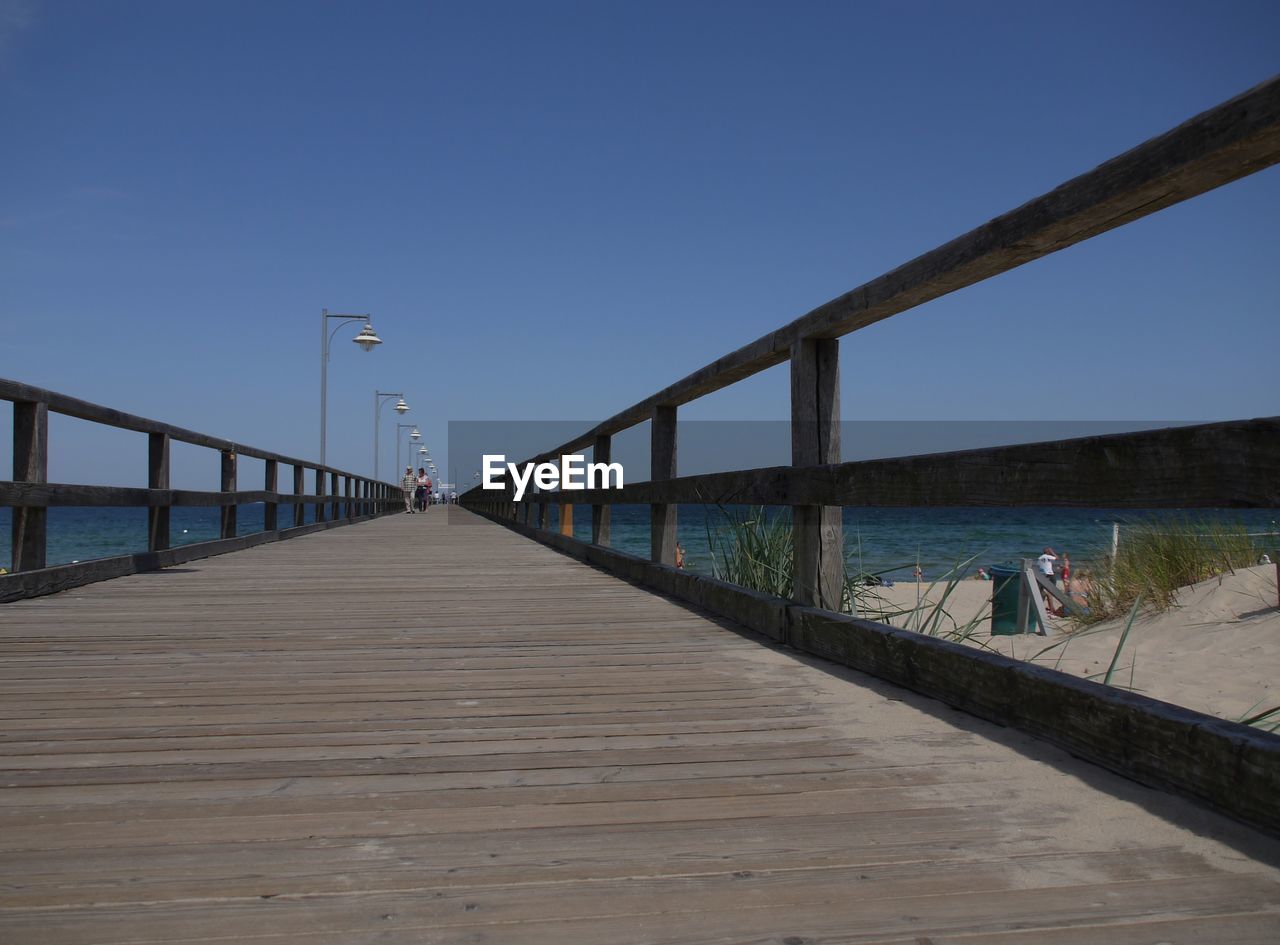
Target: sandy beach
column 1217, row 651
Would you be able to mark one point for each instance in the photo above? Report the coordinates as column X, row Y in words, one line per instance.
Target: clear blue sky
column 553, row 209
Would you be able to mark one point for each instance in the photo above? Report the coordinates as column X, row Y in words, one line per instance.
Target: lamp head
column 401, row 406
column 415, row 435
column 367, row 338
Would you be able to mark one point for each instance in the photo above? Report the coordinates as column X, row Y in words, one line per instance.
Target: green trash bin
column 1005, row 579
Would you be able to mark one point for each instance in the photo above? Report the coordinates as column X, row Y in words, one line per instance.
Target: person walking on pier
column 407, row 485
column 423, row 493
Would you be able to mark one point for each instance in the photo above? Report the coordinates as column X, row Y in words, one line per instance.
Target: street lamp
column 380, row 398
column 367, row 340
column 415, row 435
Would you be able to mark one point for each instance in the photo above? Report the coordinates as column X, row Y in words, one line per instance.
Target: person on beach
column 408, row 484
column 1064, row 572
column 679, row 556
column 1047, row 564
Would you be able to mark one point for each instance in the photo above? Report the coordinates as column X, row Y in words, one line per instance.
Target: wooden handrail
column 339, row 498
column 1225, row 143
column 85, row 410
column 1237, row 464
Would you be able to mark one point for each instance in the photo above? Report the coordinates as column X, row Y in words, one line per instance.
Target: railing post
column 157, row 478
column 30, row 524
column 601, row 515
column 818, row 535
column 566, row 511
column 348, row 486
column 319, row 503
column 543, row 515
column 271, row 482
column 299, row 487
column 662, row 463
column 335, row 508
column 228, row 484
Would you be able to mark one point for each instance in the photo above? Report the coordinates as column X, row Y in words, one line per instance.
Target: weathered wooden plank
column 433, row 731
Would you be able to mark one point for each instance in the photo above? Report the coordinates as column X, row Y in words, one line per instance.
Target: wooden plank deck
column 427, row 729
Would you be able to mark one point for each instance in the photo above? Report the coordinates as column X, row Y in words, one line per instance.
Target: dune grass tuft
column 1157, row 558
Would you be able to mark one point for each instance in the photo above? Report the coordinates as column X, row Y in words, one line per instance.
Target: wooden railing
column 1229, row 766
column 1229, row 464
column 337, row 497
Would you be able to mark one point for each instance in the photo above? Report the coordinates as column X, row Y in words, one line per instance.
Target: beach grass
column 1159, row 557
column 753, row 548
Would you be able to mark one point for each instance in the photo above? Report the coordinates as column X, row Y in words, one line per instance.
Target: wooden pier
column 430, row 729
column 458, row 727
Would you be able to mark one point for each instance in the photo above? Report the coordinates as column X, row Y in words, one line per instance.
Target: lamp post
column 380, row 398
column 367, row 340
column 415, row 435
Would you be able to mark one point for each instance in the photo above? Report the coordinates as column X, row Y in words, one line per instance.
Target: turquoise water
column 875, row 538
column 80, row 534
column 937, row 539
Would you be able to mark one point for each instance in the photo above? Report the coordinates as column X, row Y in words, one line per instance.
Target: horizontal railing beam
column 1231, row 464
column 62, row 495
column 96, row 413
column 1232, row 140
column 66, row 576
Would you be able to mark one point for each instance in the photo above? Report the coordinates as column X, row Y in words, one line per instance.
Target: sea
column 890, row 541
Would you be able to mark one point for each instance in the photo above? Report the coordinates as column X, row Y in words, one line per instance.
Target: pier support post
column 30, row 524
column 228, row 484
column 566, row 511
column 320, row 517
column 818, row 536
column 662, row 466
column 601, row 515
column 157, row 478
column 299, row 487
column 271, row 482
